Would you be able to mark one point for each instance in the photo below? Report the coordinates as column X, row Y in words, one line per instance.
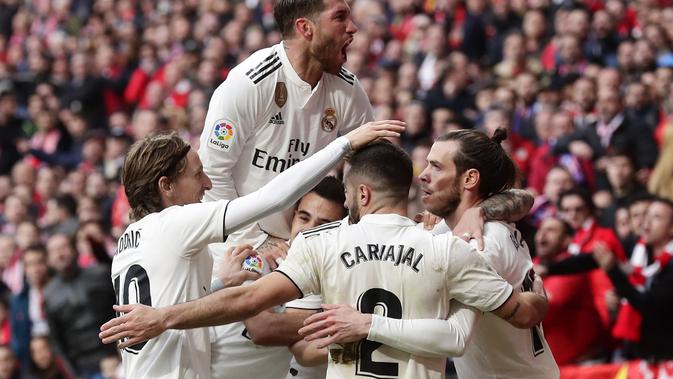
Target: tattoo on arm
column 511, row 205
column 516, row 309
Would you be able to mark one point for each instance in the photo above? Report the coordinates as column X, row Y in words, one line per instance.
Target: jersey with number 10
column 162, row 260
column 385, row 265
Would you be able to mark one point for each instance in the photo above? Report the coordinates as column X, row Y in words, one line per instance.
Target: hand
column 338, row 323
column 471, row 226
column 138, row 324
column 22, row 146
column 428, row 219
column 581, row 149
column 273, row 250
column 371, row 131
column 604, row 257
column 230, row 270
column 538, row 286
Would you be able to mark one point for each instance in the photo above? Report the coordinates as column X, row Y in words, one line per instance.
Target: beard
column 323, row 52
column 449, row 203
column 354, row 214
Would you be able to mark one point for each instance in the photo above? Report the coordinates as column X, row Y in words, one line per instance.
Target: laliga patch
column 280, row 95
column 222, row 135
column 254, row 263
column 329, row 120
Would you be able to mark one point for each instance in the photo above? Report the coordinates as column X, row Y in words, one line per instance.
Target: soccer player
column 161, row 258
column 258, row 347
column 464, row 167
column 276, row 108
column 383, row 259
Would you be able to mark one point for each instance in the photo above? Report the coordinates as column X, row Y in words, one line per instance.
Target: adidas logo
column 277, row 120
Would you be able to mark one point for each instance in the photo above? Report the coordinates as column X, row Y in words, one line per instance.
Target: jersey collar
column 387, row 219
column 290, row 73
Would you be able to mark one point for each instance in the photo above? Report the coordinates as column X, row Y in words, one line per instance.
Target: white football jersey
column 384, row 264
column 297, row 371
column 498, row 349
column 161, row 262
column 264, row 118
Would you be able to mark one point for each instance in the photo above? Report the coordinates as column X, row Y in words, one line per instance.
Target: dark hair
column 582, row 194
column 330, row 188
column 387, row 166
column 621, row 152
column 146, row 162
column 67, row 202
column 285, row 12
column 644, row 197
column 567, row 229
column 496, row 169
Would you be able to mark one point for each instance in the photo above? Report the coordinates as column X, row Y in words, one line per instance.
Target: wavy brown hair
column 146, row 162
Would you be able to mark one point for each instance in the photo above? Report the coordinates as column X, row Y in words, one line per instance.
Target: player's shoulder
column 344, row 79
column 322, row 230
column 498, row 229
column 259, row 66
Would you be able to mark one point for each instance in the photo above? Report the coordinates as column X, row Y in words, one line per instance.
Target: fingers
column 130, row 342
column 250, row 275
column 480, row 240
column 317, row 331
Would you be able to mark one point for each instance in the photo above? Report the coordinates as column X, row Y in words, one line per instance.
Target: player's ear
column 165, row 186
column 364, row 194
column 304, row 27
column 471, row 179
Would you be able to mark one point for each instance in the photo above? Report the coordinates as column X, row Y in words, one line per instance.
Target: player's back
column 158, row 264
column 498, row 349
column 385, row 265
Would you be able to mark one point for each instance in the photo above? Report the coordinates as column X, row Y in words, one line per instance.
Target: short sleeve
column 194, row 226
column 471, row 280
column 309, row 302
column 301, row 267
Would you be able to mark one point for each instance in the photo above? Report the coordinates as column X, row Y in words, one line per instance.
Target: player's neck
column 399, row 208
column 307, row 68
column 466, row 203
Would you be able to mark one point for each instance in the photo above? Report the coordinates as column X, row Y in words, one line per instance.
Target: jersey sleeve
column 286, row 188
column 427, row 337
column 309, row 302
column 230, row 122
column 194, row 226
column 301, row 266
column 471, row 280
column 360, row 109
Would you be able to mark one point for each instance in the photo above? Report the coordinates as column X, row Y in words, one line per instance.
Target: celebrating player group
column 338, row 281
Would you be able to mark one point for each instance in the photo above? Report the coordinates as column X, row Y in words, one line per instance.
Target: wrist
column 365, row 325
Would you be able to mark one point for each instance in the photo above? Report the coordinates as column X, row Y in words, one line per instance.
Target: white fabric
column 384, row 264
column 165, row 252
column 267, row 138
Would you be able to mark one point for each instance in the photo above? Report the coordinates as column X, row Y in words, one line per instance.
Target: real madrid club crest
column 329, row 120
column 281, row 94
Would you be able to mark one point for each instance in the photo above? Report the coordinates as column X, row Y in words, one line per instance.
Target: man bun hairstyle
column 497, row 171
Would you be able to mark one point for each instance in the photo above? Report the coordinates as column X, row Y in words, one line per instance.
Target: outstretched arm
column 286, row 188
column 422, row 337
column 141, row 323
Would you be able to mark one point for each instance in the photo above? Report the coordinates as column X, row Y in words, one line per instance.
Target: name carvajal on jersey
column 395, row 254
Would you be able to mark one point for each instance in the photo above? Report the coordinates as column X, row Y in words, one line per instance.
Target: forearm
column 511, row 205
column 286, row 188
column 308, row 355
column 624, row 288
column 523, row 309
column 275, row 329
column 426, row 337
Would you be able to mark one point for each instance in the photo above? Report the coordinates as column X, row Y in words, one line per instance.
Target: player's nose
column 207, row 183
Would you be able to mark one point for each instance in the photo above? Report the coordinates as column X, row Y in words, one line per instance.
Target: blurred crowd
column 582, row 86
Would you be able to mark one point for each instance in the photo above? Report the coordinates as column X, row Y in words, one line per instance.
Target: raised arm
column 286, row 188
